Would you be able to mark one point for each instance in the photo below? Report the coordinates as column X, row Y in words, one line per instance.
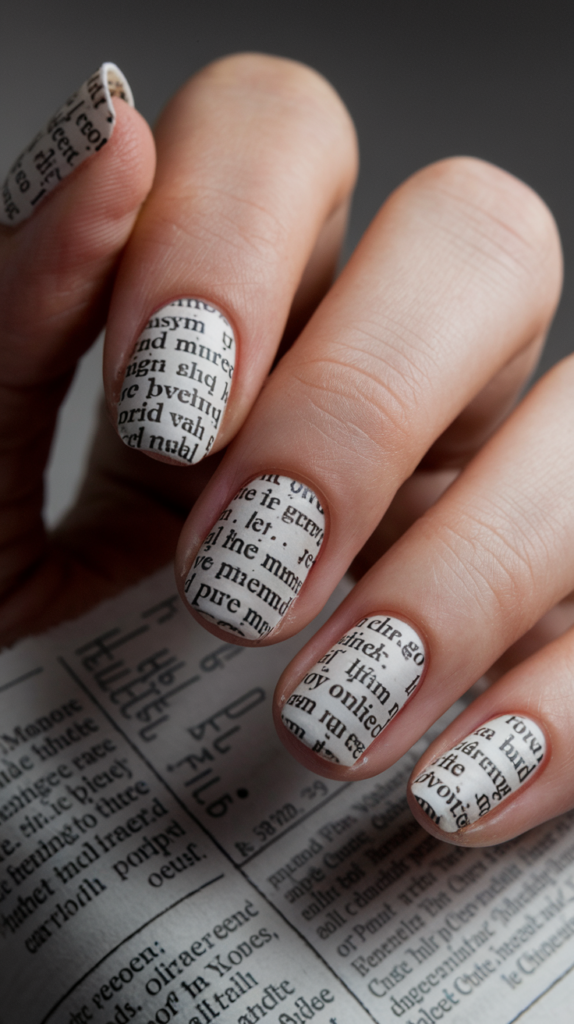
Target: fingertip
column 130, row 157
column 106, row 191
column 80, row 130
column 86, row 214
column 56, row 263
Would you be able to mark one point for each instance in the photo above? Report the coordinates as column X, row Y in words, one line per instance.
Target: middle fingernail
column 177, row 383
column 253, row 563
column 354, row 691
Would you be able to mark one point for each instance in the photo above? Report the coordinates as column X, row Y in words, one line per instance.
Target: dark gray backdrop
column 423, row 80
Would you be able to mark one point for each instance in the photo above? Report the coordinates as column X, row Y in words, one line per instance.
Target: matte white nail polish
column 480, row 772
column 354, row 691
column 255, row 560
column 78, row 130
column 176, row 386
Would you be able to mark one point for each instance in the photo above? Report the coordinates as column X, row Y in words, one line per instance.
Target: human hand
column 409, row 364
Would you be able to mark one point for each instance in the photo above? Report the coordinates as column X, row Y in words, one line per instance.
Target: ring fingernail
column 485, row 768
column 253, row 563
column 354, row 691
column 176, row 386
column 78, row 130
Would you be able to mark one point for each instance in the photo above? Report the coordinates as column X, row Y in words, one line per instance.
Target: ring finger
column 469, row 578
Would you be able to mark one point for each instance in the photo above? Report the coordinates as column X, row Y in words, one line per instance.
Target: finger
column 505, row 764
column 459, row 273
column 55, row 273
column 476, row 573
column 257, row 158
column 79, row 129
column 478, row 421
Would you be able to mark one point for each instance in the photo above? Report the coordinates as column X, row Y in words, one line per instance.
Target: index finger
column 256, row 160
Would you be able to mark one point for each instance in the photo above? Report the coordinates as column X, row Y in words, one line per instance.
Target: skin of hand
column 369, row 418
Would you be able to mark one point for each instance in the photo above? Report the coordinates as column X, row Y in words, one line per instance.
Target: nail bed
column 476, row 775
column 356, row 689
column 253, row 563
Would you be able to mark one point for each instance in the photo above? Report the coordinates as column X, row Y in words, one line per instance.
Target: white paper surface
column 163, row 858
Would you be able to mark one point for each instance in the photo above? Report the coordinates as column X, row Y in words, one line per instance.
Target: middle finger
column 459, row 273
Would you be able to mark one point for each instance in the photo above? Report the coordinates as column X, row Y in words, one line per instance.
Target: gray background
column 423, row 80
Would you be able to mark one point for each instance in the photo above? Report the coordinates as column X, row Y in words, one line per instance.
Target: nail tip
column 227, row 627
column 171, row 460
column 315, row 744
column 116, row 83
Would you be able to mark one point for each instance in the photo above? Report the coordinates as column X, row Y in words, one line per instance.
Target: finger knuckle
column 294, row 95
column 232, row 235
column 352, row 405
column 496, row 555
column 501, row 219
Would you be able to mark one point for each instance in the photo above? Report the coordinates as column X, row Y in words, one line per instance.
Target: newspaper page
column 163, row 858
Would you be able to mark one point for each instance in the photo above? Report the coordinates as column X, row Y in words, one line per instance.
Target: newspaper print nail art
column 349, row 697
column 177, row 384
column 255, row 560
column 480, row 772
column 78, row 130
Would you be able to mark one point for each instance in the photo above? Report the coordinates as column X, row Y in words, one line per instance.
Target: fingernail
column 257, row 557
column 356, row 689
column 78, row 130
column 177, row 385
column 484, row 769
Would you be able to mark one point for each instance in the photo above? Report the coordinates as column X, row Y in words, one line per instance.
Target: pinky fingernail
column 76, row 131
column 468, row 781
column 349, row 697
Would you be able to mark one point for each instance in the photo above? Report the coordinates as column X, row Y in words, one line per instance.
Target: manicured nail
column 78, row 130
column 177, row 385
column 485, row 768
column 356, row 689
column 257, row 557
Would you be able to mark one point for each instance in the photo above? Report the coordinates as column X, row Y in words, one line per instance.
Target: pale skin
column 398, row 380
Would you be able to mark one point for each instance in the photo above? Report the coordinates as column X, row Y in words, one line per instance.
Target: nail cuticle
column 350, row 696
column 78, row 130
column 251, row 566
column 177, row 384
column 480, row 772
